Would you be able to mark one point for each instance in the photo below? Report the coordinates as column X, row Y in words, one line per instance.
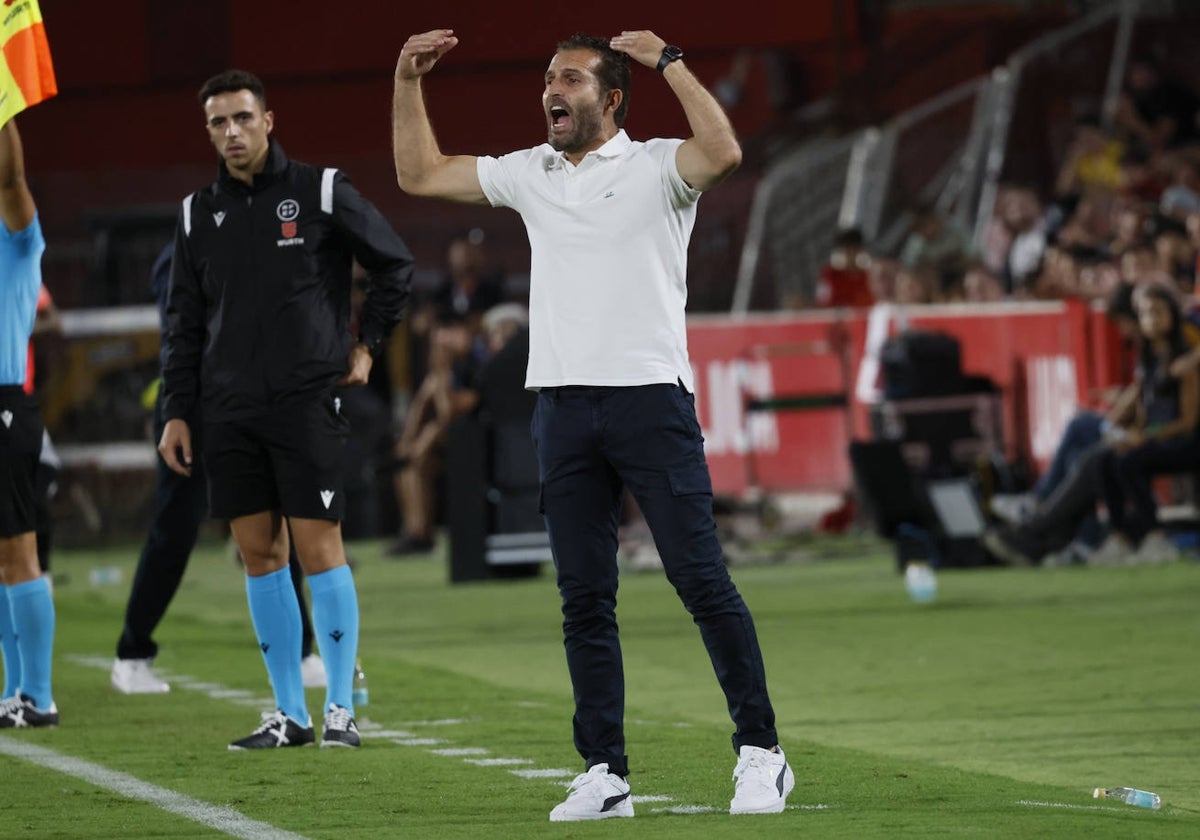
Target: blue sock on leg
column 32, row 610
column 8, row 648
column 335, row 623
column 276, row 617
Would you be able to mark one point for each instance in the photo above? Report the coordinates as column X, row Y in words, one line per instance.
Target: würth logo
column 288, row 229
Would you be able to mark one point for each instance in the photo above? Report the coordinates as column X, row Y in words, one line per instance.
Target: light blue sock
column 276, row 616
column 8, row 648
column 33, row 620
column 335, row 624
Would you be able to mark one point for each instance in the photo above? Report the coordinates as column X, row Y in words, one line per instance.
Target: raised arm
column 16, row 201
column 712, row 152
column 421, row 168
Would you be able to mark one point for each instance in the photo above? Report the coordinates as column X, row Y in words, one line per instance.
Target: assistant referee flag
column 26, row 73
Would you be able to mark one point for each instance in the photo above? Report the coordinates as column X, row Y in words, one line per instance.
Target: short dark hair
column 231, row 81
column 613, row 71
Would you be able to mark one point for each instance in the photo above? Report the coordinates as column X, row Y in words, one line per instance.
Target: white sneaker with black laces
column 594, row 795
column 340, row 730
column 277, row 730
column 763, row 781
column 312, row 671
column 135, row 676
column 20, row 712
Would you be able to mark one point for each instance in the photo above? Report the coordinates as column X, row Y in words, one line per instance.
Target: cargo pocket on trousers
column 690, row 480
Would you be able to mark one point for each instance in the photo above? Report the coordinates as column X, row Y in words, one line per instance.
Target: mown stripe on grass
column 217, row 817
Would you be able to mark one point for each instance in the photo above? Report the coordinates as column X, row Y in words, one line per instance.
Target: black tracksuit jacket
column 258, row 309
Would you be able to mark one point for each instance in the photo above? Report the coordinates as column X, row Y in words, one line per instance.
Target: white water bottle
column 1130, row 796
column 358, row 694
column 920, row 582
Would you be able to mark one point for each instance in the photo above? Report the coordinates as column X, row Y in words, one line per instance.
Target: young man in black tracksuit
column 180, row 506
column 257, row 334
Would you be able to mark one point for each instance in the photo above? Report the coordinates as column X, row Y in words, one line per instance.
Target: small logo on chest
column 288, row 211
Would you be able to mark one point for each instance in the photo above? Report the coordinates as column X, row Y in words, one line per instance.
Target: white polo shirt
column 608, row 278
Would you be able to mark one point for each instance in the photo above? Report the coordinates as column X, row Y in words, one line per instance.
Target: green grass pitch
column 992, row 712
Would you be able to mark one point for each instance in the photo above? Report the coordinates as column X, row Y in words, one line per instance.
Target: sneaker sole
column 342, row 744
column 164, row 690
column 773, row 808
column 587, row 818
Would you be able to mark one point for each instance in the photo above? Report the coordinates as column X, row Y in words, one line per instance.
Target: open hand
column 643, row 46
column 421, row 52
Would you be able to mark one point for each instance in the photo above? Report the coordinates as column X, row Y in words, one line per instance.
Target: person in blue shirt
column 26, row 606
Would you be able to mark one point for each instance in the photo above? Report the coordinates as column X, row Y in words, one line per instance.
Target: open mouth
column 560, row 118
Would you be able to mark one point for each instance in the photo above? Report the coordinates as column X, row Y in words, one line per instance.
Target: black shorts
column 20, row 446
column 288, row 461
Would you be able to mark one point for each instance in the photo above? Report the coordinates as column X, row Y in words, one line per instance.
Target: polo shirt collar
column 614, row 147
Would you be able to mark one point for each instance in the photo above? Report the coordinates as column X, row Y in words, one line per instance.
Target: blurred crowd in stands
column 1125, row 208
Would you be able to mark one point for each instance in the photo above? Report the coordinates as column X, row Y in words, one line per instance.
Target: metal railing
column 951, row 151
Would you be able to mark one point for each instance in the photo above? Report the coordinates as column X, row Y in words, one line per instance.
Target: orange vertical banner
column 26, row 71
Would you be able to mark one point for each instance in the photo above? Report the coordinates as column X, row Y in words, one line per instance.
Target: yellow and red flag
column 26, row 72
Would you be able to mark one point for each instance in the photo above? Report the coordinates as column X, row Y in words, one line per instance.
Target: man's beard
column 587, row 129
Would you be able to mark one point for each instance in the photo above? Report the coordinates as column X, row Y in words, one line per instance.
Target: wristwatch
column 669, row 54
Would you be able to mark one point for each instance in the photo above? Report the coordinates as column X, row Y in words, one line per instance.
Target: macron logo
column 327, row 498
column 219, row 217
column 6, row 416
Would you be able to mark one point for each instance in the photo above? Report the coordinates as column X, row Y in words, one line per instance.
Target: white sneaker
column 1156, row 548
column 1013, row 508
column 135, row 676
column 595, row 795
column 763, row 781
column 312, row 671
column 1114, row 551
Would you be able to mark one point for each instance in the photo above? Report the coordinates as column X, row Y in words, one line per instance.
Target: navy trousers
column 591, row 443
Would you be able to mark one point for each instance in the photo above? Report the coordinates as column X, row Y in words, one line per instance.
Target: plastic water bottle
column 920, row 582
column 358, row 695
column 104, row 575
column 1130, row 796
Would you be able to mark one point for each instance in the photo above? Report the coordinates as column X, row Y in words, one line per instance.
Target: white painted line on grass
column 453, row 752
column 386, row 733
column 418, row 742
column 440, row 722
column 549, row 773
column 497, row 762
column 637, row 798
column 684, row 809
column 1034, row 804
column 216, row 817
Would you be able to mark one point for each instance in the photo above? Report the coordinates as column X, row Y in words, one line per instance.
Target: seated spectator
column 916, row 284
column 1162, row 439
column 1149, row 430
column 1175, row 254
column 464, row 293
column 1182, row 197
column 844, row 279
column 1156, row 113
column 981, row 286
column 1082, row 433
column 1093, row 161
column 448, row 391
column 881, row 278
column 1130, row 226
column 935, row 241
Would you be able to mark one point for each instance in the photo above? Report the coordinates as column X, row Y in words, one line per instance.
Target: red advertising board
column 780, row 395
